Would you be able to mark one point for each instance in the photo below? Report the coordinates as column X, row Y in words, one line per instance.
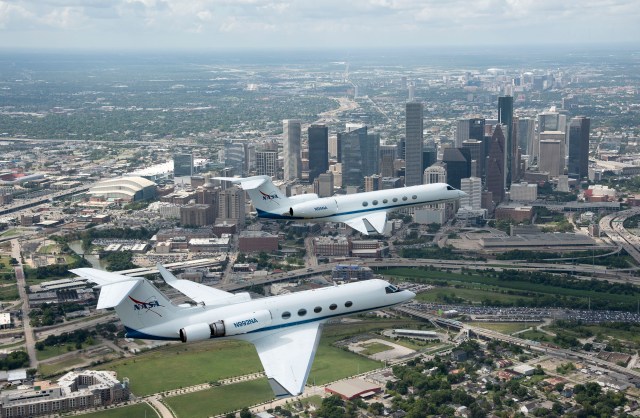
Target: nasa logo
column 266, row 196
column 146, row 306
column 320, row 208
column 245, row 322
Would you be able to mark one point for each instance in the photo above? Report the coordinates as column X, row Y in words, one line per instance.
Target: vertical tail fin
column 264, row 195
column 138, row 303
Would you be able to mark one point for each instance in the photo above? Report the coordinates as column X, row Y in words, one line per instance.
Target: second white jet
column 364, row 212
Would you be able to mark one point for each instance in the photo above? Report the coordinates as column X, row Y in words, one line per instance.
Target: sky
column 313, row 24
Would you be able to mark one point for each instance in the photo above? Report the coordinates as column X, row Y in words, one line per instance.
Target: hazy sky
column 212, row 24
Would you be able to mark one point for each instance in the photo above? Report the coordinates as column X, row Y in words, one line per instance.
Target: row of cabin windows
column 394, row 200
column 317, row 309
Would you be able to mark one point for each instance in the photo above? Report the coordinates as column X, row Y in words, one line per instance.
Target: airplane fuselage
column 339, row 208
column 271, row 313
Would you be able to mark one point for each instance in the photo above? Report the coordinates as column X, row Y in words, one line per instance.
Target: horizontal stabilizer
column 247, row 183
column 197, row 292
column 112, row 294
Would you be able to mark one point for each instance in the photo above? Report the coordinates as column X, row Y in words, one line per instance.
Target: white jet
column 364, row 212
column 285, row 329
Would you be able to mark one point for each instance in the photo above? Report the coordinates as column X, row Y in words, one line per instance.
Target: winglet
column 166, row 274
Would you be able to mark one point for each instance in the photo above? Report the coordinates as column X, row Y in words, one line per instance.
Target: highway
column 612, row 225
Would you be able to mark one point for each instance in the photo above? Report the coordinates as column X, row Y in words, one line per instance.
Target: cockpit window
column 391, row 289
column 450, row 188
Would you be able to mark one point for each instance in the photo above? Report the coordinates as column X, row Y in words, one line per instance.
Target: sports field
column 220, row 400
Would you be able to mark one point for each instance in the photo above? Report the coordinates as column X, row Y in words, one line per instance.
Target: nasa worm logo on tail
column 272, row 197
column 147, row 306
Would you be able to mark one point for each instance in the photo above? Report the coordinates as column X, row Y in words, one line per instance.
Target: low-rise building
column 351, row 272
column 73, row 391
column 256, row 241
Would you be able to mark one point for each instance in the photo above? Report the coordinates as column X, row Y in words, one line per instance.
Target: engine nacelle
column 314, row 208
column 195, row 332
column 235, row 325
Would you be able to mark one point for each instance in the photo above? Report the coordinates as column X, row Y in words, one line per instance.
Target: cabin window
column 404, row 198
column 375, row 202
column 395, row 199
column 317, row 309
column 414, row 197
column 302, row 312
column 348, row 304
column 365, row 204
column 286, row 315
column 385, row 201
column 333, row 306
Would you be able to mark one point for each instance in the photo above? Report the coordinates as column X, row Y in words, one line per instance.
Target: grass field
column 50, row 369
column 9, row 292
column 535, row 335
column 141, row 410
column 220, row 399
column 10, row 233
column 56, row 350
column 375, row 348
column 178, row 366
column 602, row 331
column 504, row 327
column 495, row 289
column 470, row 295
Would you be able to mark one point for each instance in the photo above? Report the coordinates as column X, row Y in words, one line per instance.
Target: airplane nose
column 409, row 294
column 462, row 194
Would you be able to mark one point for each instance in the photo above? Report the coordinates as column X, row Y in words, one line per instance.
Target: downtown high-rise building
column 472, row 186
column 477, row 155
column 458, row 161
column 550, row 124
column 578, row 138
column 551, row 157
column 505, row 117
column 352, row 147
column 526, row 136
column 414, row 128
column 267, row 163
column 469, row 129
column 291, row 143
column 182, row 165
column 495, row 165
column 231, row 206
column 235, row 157
column 436, row 173
column 318, row 150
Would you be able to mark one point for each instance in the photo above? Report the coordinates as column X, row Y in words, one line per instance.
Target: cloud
column 320, row 22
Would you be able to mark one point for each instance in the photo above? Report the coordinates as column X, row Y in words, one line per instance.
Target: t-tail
column 264, row 195
column 138, row 303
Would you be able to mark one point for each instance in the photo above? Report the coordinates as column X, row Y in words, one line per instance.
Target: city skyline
column 256, row 24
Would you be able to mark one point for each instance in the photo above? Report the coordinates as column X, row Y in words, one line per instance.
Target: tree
column 245, row 413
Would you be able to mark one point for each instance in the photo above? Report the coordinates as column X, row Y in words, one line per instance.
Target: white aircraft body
column 364, row 212
column 284, row 329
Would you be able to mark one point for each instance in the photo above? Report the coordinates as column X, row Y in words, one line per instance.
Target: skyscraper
column 458, row 161
column 476, row 152
column 352, row 146
column 318, row 150
column 551, row 157
column 579, row 147
column 496, row 165
column 235, row 156
column 182, row 165
column 472, row 186
column 267, row 163
column 231, row 205
column 526, row 136
column 292, row 130
column 505, row 117
column 413, row 146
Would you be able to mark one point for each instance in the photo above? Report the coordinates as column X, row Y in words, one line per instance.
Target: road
column 29, row 337
column 531, row 345
column 613, row 226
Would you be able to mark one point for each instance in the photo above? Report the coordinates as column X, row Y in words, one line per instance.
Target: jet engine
column 315, row 208
column 235, row 325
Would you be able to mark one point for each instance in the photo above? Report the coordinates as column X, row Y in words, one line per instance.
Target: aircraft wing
column 369, row 223
column 287, row 355
column 195, row 291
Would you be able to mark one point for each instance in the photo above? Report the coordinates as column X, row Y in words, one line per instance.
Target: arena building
column 127, row 189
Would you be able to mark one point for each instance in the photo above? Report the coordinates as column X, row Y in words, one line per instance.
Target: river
column 94, row 260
